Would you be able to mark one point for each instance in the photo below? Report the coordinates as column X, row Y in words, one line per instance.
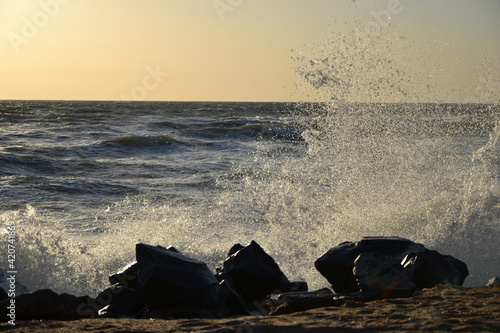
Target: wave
column 247, row 130
column 137, row 144
column 12, row 164
column 139, row 141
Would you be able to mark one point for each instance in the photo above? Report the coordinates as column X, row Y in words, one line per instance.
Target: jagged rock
column 120, row 302
column 383, row 267
column 430, row 268
column 252, row 273
column 173, row 285
column 380, row 276
column 125, row 277
column 48, row 305
column 337, row 264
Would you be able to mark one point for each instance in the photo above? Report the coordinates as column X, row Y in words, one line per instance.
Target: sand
column 442, row 308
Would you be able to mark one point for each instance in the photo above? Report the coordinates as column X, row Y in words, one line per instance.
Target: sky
column 250, row 50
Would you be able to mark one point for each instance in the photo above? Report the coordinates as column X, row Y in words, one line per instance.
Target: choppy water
column 85, row 181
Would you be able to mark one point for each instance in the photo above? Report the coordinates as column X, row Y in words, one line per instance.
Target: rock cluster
column 164, row 283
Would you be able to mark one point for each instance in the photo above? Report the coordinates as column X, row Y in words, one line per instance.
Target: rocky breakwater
column 164, row 283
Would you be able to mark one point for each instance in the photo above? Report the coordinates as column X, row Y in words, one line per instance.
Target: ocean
column 85, row 181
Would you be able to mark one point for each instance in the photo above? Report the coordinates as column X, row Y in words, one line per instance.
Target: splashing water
column 361, row 170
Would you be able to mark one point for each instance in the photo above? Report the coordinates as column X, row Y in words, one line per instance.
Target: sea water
column 85, row 181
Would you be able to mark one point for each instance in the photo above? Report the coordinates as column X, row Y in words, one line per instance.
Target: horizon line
column 235, row 101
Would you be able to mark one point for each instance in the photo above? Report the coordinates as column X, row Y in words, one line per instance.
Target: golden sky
column 248, row 50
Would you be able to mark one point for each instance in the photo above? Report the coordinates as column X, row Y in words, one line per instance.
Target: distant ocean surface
column 85, row 181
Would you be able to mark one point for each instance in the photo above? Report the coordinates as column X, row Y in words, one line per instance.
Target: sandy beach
column 442, row 308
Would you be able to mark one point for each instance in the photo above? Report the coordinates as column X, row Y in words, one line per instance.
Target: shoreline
column 442, row 308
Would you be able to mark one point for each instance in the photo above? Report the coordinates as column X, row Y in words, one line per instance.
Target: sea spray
column 427, row 172
column 376, row 170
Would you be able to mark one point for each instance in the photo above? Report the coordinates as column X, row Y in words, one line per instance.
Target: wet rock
column 383, row 267
column 125, row 277
column 337, row 264
column 253, row 274
column 493, row 281
column 460, row 266
column 173, row 285
column 121, row 302
column 380, row 277
column 278, row 304
column 48, row 305
column 430, row 268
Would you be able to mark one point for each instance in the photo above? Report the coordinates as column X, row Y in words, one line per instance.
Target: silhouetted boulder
column 337, row 264
column 120, row 302
column 173, row 285
column 383, row 267
column 48, row 305
column 253, row 274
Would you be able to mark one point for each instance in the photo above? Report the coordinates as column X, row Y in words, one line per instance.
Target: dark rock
column 233, row 303
column 126, row 277
column 337, row 264
column 383, row 267
column 120, row 302
column 493, row 281
column 298, row 286
column 460, row 266
column 235, row 248
column 380, row 276
column 252, row 273
column 430, row 268
column 278, row 304
column 48, row 305
column 173, row 285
